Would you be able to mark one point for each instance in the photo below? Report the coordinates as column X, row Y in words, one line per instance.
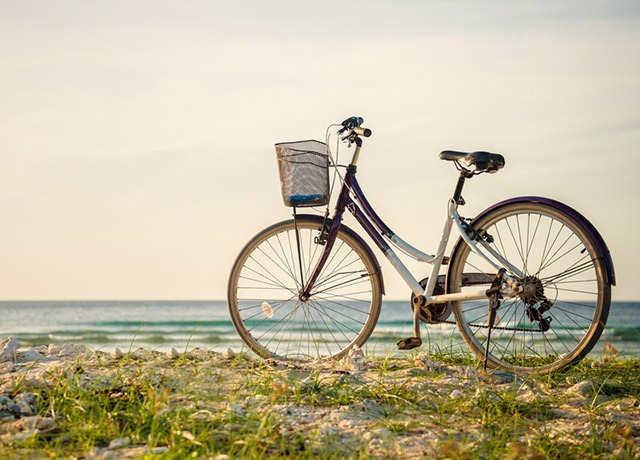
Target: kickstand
column 494, row 295
column 415, row 341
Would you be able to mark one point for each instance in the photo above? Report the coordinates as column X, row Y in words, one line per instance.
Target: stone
column 584, row 389
column 8, row 349
column 354, row 361
column 8, row 407
column 229, row 354
column 26, row 404
column 119, row 443
column 28, row 355
column 66, row 350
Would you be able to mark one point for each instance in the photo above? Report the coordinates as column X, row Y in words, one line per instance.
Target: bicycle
column 528, row 281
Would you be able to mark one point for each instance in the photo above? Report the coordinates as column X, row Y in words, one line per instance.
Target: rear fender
column 588, row 226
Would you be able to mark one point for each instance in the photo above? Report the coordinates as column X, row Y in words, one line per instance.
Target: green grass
column 208, row 405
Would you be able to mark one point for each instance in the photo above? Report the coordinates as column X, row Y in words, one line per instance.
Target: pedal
column 409, row 343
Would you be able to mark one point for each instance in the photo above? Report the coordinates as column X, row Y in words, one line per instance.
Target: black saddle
column 483, row 161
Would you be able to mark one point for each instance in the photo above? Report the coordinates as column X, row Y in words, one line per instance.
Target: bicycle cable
column 334, row 162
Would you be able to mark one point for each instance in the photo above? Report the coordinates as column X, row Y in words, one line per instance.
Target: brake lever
column 348, row 138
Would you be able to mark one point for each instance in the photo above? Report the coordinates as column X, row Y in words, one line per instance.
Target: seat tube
column 444, row 239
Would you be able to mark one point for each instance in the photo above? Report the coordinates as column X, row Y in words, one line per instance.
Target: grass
column 205, row 405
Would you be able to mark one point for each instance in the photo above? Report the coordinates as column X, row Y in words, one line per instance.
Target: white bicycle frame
column 436, row 261
column 352, row 198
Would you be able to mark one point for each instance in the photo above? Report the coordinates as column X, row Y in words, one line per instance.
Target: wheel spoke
column 561, row 263
column 343, row 307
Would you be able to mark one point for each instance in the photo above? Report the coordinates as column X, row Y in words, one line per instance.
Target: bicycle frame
column 353, row 199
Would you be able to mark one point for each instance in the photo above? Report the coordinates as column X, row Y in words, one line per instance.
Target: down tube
column 363, row 216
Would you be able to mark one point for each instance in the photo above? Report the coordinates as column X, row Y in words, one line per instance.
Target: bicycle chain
column 501, row 328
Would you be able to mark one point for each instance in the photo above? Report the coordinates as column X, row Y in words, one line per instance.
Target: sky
column 136, row 138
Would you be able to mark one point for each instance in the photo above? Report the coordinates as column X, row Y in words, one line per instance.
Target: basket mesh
column 304, row 173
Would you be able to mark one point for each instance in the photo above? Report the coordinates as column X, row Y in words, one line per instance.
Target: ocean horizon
column 105, row 325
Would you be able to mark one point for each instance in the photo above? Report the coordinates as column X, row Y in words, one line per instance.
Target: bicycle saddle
column 483, row 161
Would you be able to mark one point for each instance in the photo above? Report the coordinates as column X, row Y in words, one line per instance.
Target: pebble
column 584, row 389
column 229, row 354
column 8, row 348
column 354, row 361
column 26, row 404
column 119, row 443
column 500, row 377
column 66, row 349
column 28, row 355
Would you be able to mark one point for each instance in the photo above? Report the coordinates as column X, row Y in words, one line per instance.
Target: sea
column 184, row 325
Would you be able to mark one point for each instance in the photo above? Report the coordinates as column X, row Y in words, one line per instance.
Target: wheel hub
column 532, row 290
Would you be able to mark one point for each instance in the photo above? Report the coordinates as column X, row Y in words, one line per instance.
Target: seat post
column 457, row 194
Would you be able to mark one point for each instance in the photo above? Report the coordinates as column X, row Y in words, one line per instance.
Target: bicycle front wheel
column 562, row 312
column 266, row 281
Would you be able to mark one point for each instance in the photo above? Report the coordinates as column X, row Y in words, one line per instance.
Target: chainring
column 435, row 313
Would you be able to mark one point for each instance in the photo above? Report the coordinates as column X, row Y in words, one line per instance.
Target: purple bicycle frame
column 367, row 217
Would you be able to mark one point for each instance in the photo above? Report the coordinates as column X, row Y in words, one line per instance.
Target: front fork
column 326, row 237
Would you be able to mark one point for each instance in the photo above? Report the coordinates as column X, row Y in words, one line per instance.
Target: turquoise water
column 183, row 325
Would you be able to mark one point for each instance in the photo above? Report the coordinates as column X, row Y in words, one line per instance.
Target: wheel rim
column 265, row 295
column 565, row 291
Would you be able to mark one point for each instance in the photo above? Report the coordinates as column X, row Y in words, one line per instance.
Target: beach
column 69, row 401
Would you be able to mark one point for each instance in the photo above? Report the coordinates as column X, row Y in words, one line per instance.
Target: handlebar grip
column 366, row 132
column 352, row 122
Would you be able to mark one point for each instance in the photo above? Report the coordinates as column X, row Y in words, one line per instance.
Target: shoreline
column 69, row 401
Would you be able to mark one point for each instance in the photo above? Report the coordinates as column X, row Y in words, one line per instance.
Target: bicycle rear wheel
column 265, row 283
column 563, row 311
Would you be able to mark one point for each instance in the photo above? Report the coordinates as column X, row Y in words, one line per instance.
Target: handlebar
column 353, row 124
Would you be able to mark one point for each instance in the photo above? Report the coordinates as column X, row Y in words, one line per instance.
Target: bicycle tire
column 565, row 262
column 264, row 287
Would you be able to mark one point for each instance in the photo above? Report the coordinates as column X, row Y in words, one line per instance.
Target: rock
column 235, row 409
column 143, row 353
column 119, row 443
column 66, row 350
column 173, row 354
column 8, row 408
column 26, row 403
column 377, row 437
column 117, row 354
column 28, row 355
column 500, row 377
column 229, row 354
column 467, row 372
column 584, row 389
column 202, row 354
column 433, row 366
column 18, row 437
column 417, row 371
column 354, row 361
column 456, row 394
column 8, row 349
column 29, row 423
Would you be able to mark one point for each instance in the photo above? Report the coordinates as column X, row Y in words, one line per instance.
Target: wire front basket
column 304, row 173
